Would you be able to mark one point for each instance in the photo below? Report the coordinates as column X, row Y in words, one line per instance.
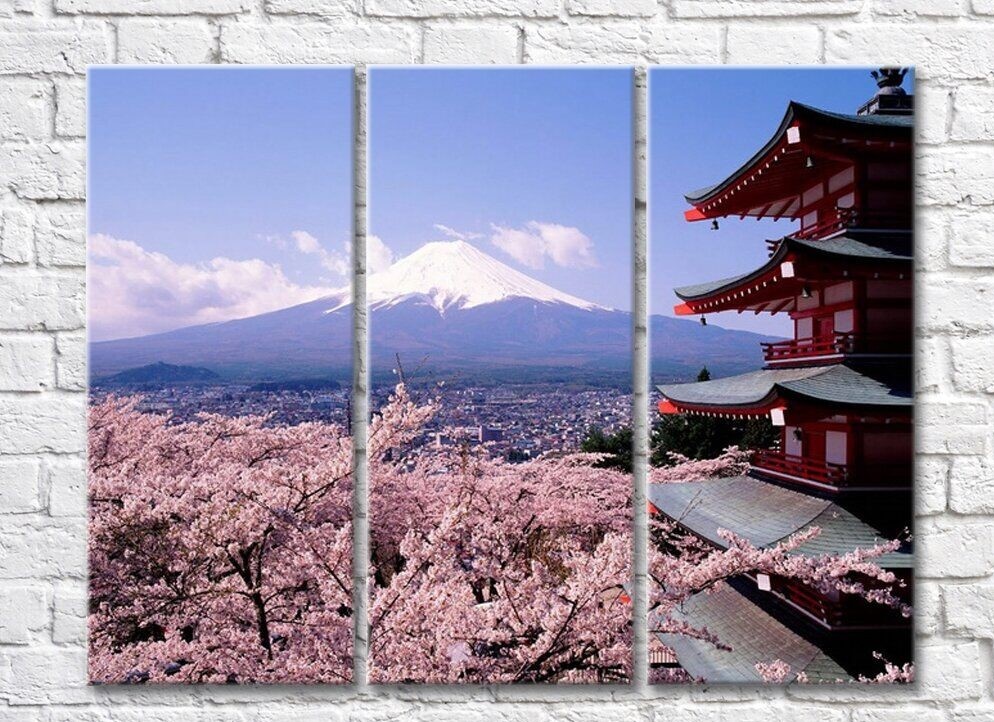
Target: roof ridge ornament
column 891, row 98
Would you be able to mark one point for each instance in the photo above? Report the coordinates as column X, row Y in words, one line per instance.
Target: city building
column 839, row 391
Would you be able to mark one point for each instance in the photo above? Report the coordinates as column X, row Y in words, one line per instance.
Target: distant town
column 517, row 422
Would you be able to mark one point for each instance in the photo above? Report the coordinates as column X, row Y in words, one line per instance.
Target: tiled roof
column 764, row 514
column 900, row 124
column 753, row 635
column 853, row 244
column 852, row 383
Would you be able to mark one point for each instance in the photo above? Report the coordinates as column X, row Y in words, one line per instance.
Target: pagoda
column 839, row 391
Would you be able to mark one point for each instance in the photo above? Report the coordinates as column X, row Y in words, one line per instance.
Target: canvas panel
column 220, row 459
column 781, row 336
column 499, row 302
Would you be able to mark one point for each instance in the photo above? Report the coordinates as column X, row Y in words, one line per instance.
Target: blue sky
column 201, row 164
column 529, row 158
column 703, row 124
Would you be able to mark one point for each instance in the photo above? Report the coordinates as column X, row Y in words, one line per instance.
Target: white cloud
column 134, row 292
column 531, row 244
column 379, row 257
column 457, row 235
column 335, row 261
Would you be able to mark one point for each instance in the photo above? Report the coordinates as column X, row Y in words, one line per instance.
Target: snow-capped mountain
column 447, row 308
column 456, row 274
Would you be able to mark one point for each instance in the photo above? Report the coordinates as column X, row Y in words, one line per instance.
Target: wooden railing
column 835, row 344
column 821, row 472
column 828, row 345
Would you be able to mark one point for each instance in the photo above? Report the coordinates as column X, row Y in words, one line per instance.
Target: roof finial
column 891, row 98
column 889, row 80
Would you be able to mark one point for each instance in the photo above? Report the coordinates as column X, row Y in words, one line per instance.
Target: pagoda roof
column 856, row 384
column 765, row 514
column 796, row 112
column 852, row 245
column 753, row 635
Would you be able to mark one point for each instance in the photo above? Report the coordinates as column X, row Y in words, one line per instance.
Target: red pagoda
column 839, row 391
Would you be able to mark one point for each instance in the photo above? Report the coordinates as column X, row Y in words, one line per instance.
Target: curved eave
column 753, row 290
column 900, row 126
column 855, row 386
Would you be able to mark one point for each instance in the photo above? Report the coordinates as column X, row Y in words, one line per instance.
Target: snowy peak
column 457, row 274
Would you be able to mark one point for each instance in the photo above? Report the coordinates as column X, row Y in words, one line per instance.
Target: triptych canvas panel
column 499, row 362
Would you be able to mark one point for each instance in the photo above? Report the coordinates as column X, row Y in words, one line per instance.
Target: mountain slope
column 448, row 307
column 456, row 274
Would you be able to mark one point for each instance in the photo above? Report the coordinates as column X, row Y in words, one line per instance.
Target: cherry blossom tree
column 486, row 571
column 220, row 549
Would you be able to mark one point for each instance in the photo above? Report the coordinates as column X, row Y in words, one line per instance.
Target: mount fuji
column 448, row 309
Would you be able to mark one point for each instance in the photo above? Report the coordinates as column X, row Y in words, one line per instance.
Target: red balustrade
column 822, row 472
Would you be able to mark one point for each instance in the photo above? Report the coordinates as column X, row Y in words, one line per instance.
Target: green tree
column 617, row 446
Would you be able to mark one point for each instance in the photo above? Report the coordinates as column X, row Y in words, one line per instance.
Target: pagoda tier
column 845, row 428
column 765, row 514
column 849, row 296
column 749, row 634
column 829, row 170
column 854, row 388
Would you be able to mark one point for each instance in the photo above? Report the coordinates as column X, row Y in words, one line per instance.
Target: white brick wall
column 45, row 46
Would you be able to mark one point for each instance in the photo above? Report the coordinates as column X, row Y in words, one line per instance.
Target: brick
column 972, row 369
column 165, row 41
column 46, row 172
column 25, row 613
column 623, row 43
column 955, row 303
column 33, row 300
column 70, row 361
column 774, row 8
column 41, row 48
column 617, row 8
column 20, row 485
column 887, row 715
column 969, row 610
column 928, row 608
column 66, row 488
column 682, row 43
column 918, row 8
column 950, row 428
column 36, row 550
column 52, row 675
column 273, row 43
column 969, row 241
column 608, row 42
column 471, row 44
column 751, row 45
column 461, row 8
column 69, row 613
column 971, row 485
column 931, row 484
column 973, row 113
column 931, row 364
column 983, row 7
column 17, row 238
column 932, row 239
column 23, row 109
column 26, row 363
column 951, row 548
column 944, row 52
column 70, row 107
column 327, row 8
column 949, row 175
column 933, row 105
column 60, row 236
column 43, row 422
column 153, row 7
